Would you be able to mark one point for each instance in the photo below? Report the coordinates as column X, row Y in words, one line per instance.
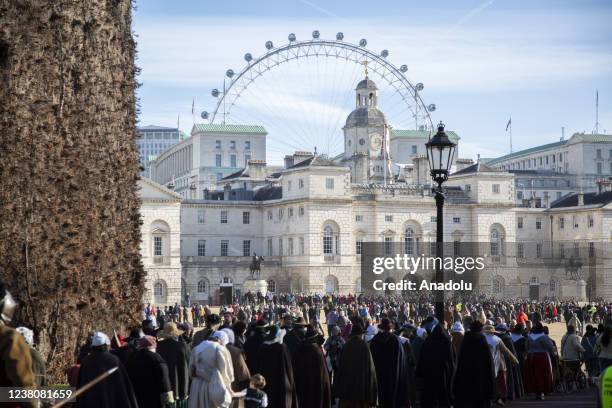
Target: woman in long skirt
column 538, row 367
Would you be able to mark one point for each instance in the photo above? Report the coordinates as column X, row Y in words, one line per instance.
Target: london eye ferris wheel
column 303, row 91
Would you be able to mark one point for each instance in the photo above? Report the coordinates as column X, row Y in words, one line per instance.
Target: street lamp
column 440, row 153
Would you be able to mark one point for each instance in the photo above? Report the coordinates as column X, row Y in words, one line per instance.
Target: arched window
column 495, row 238
column 271, row 286
column 202, row 286
column 498, row 285
column 331, row 284
column 331, row 239
column 158, row 289
column 409, row 240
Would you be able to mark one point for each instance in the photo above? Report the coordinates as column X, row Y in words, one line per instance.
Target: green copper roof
column 227, row 128
column 183, row 135
column 576, row 138
column 421, row 134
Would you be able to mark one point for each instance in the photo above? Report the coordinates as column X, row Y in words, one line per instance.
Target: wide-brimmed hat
column 488, row 329
column 170, row 330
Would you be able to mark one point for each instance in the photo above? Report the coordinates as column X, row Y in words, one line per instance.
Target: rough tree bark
column 69, row 213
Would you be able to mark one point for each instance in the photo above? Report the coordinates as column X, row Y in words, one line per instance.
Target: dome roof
column 367, row 84
column 365, row 116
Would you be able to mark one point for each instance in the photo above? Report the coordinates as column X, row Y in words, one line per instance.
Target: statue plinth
column 254, row 286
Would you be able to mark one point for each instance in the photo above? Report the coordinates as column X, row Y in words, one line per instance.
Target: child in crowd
column 254, row 396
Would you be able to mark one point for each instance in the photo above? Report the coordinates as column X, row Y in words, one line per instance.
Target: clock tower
column 366, row 137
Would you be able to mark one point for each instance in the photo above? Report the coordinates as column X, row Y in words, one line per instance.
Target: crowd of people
column 296, row 350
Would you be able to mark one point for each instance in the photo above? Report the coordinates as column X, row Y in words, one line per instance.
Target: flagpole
column 510, row 134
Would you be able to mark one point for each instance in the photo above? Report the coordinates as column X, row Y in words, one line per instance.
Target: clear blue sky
column 480, row 61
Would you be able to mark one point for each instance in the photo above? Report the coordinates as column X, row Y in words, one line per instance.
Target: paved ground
column 585, row 399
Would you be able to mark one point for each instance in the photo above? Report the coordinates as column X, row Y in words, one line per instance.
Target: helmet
column 7, row 304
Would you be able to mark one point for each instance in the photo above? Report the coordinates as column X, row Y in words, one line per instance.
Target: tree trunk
column 69, row 213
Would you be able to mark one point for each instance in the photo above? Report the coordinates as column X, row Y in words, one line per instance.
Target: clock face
column 375, row 142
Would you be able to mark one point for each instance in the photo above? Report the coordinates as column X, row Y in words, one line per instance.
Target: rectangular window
column 433, row 218
column 280, row 246
column 520, row 251
column 246, row 217
column 599, row 168
column 388, row 245
column 246, row 248
column 329, row 183
column 233, row 144
column 289, row 185
column 576, row 250
column 456, row 248
column 224, row 247
column 223, row 217
column 559, row 195
column 247, row 145
column 301, row 183
column 270, row 216
column 561, row 222
column 388, row 218
column 520, row 222
column 217, row 144
column 590, row 218
column 358, row 218
column 468, row 188
column 591, row 249
column 301, row 211
column 233, row 160
column 201, row 218
column 157, row 246
column 414, row 149
column 538, row 224
column 290, row 246
column 538, row 250
column 247, row 158
column 270, row 249
column 456, row 220
column 598, row 152
column 281, row 212
column 201, row 247
column 519, row 195
column 218, row 160
column 575, row 222
column 301, row 245
column 495, row 188
column 290, row 211
column 561, row 251
column 358, row 245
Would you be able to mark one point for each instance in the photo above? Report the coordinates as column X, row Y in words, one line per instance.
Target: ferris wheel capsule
column 420, row 86
column 229, row 73
column 404, row 68
column 316, row 34
column 248, row 57
column 363, row 42
column 431, row 107
column 291, row 37
column 269, row 45
column 340, row 36
column 384, row 53
column 215, row 93
column 204, row 115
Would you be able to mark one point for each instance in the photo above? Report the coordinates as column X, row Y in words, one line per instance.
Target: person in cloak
column 389, row 361
column 355, row 379
column 411, row 389
column 176, row 353
column 38, row 362
column 295, row 335
column 435, row 367
column 148, row 372
column 310, row 372
column 474, row 382
column 273, row 361
column 242, row 376
column 498, row 351
column 514, row 378
column 254, row 342
column 115, row 391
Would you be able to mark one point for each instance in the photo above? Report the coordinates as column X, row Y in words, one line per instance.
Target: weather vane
column 365, row 64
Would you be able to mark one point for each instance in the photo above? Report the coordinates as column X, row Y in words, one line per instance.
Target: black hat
column 272, row 333
column 358, row 326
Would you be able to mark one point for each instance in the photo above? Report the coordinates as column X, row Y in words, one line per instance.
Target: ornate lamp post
column 440, row 153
